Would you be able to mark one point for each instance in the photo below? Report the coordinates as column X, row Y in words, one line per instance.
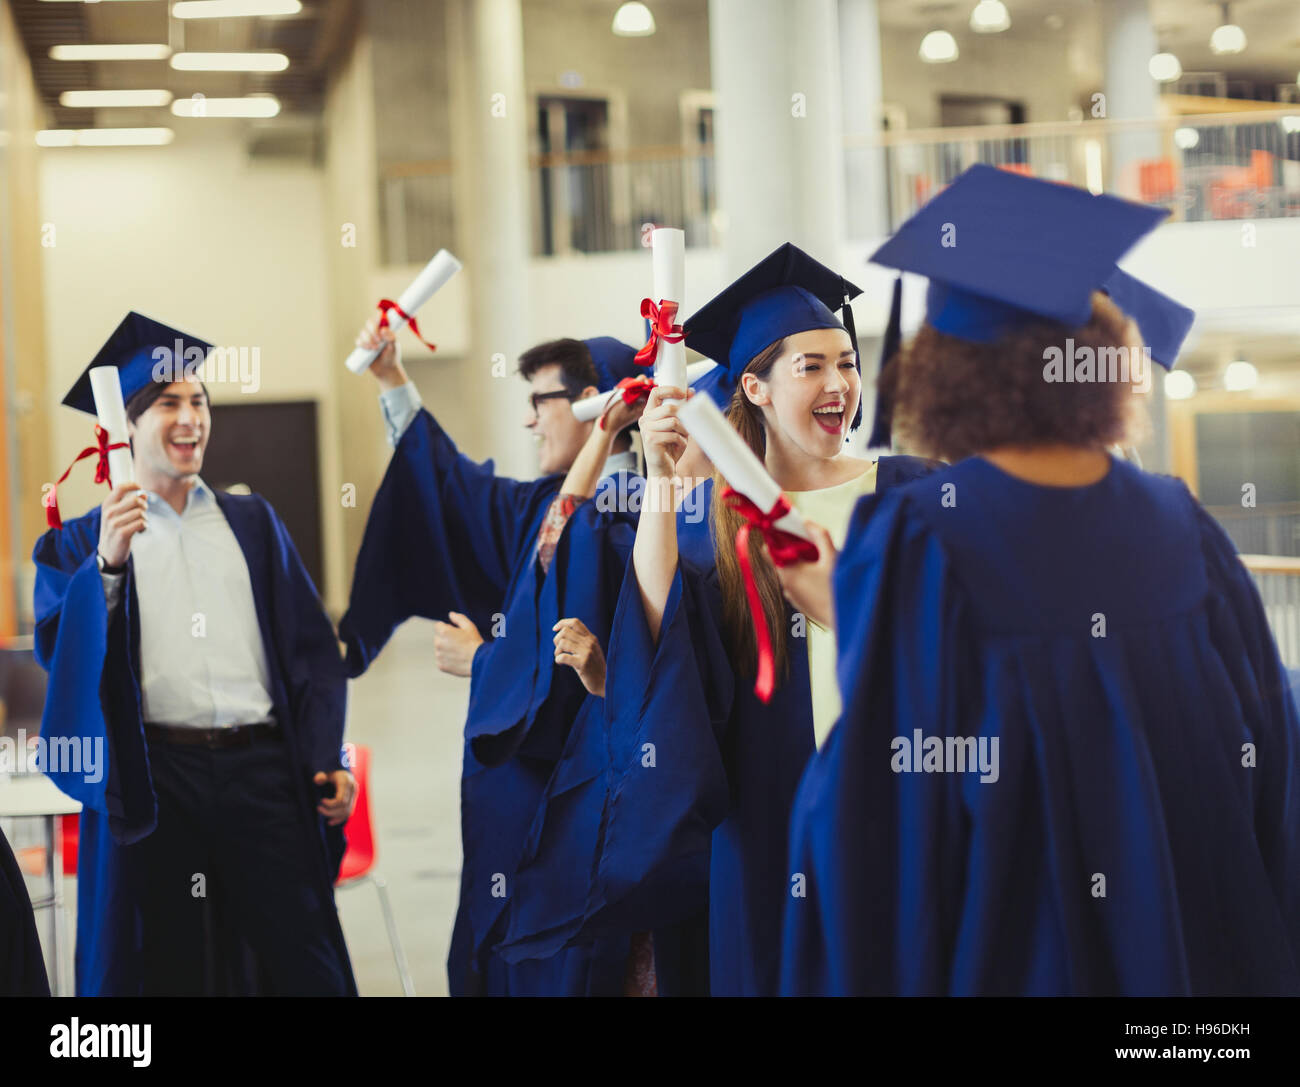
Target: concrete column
column 1129, row 42
column 778, row 138
column 862, row 92
column 490, row 149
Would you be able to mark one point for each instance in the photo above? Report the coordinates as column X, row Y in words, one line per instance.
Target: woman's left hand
column 577, row 647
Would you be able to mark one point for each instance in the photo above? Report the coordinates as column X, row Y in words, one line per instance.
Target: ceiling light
column 94, row 99
column 938, row 47
column 1164, row 68
column 633, row 20
column 990, row 17
column 257, row 105
column 1179, row 385
column 104, row 137
column 110, row 52
column 1291, row 124
column 1240, row 376
column 230, row 62
column 1186, row 138
column 1228, row 37
column 218, row 9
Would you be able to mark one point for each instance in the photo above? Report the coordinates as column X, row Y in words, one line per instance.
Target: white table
column 34, row 796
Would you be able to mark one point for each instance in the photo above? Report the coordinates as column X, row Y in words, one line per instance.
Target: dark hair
column 953, row 399
column 738, row 627
column 148, row 396
column 577, row 370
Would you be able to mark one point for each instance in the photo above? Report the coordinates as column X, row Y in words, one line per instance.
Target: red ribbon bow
column 661, row 328
column 785, row 548
column 101, row 447
column 631, row 389
column 386, row 304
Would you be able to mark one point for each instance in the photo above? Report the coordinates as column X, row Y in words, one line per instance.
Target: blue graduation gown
column 1122, row 753
column 22, row 967
column 698, row 767
column 94, row 695
column 445, row 533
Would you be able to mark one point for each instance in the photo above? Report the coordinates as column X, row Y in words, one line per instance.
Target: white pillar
column 861, row 95
column 489, row 137
column 778, row 136
column 1129, row 42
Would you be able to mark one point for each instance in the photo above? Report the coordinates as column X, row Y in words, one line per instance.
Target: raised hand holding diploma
column 665, row 348
column 593, row 407
column 807, row 585
column 123, row 514
column 432, row 278
column 113, row 444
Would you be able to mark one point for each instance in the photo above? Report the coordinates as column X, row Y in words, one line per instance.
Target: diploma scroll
column 735, row 461
column 593, row 407
column 106, row 387
column 668, row 250
column 432, row 278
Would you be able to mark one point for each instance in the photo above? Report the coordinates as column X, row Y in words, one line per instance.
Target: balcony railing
column 1215, row 166
column 1278, row 581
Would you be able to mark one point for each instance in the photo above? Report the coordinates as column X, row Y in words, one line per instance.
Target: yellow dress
column 831, row 507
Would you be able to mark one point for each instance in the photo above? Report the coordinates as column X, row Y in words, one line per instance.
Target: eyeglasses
column 537, row 398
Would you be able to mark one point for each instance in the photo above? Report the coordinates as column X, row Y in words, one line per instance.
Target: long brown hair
column 738, row 627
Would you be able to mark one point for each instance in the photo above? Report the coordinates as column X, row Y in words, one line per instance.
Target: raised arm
column 654, row 556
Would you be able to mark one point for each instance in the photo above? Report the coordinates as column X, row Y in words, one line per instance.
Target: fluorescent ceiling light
column 110, row 52
column 104, row 137
column 92, row 99
column 230, row 62
column 218, row 9
column 258, row 105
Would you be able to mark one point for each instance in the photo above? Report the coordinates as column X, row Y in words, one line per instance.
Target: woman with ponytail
column 698, row 762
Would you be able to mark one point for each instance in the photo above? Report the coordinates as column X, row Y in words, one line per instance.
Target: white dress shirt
column 402, row 404
column 202, row 661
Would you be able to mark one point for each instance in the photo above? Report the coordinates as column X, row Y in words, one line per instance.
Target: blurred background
column 261, row 172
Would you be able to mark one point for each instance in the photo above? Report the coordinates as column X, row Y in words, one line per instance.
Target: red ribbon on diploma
column 661, row 328
column 385, row 304
column 631, row 389
column 785, row 548
column 101, row 447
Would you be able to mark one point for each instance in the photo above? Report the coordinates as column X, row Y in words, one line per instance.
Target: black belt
column 212, row 738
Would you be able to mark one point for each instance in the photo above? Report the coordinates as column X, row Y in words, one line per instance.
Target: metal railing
column 416, row 209
column 1242, row 165
column 1278, row 581
column 1267, row 530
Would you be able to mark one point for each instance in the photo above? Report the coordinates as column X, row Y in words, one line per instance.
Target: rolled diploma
column 668, row 251
column 592, row 407
column 106, row 387
column 735, row 461
column 432, row 278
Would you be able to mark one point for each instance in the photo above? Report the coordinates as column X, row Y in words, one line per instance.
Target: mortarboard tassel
column 846, row 311
column 881, row 436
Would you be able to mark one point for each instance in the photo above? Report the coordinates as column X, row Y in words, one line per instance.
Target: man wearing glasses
column 490, row 561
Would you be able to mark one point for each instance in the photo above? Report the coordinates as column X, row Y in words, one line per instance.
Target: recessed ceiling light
column 230, row 9
column 104, row 137
column 257, row 105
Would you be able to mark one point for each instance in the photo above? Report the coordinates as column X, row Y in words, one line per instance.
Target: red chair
column 359, row 860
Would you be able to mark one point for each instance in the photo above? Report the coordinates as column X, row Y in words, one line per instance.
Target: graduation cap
column 1002, row 250
column 133, row 348
column 718, row 385
column 614, row 361
column 1164, row 322
column 784, row 293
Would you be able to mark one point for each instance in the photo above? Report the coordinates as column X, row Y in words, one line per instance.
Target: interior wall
column 24, row 429
column 200, row 237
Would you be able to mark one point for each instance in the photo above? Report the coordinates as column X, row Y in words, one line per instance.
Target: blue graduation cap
column 1002, row 250
column 614, row 361
column 133, row 348
column 784, row 293
column 1164, row 322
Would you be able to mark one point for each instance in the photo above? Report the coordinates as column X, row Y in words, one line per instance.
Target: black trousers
column 232, row 901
